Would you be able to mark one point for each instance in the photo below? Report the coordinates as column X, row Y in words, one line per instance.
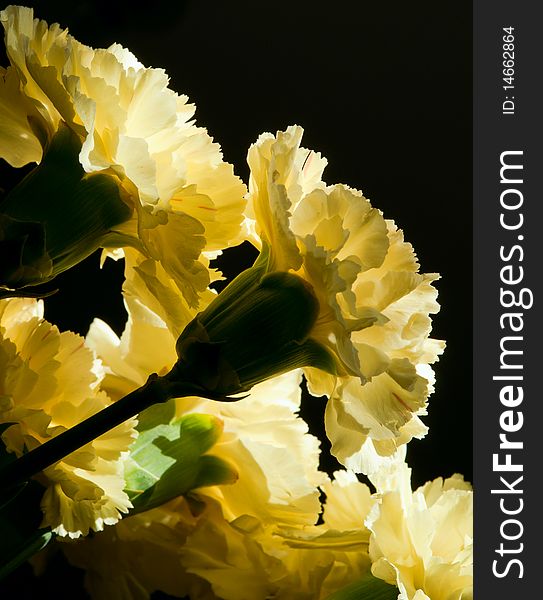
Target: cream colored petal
column 147, row 341
column 271, row 161
column 177, row 246
column 157, row 314
column 19, row 310
column 376, row 456
column 51, row 92
column 422, row 541
column 37, row 345
column 343, row 222
column 405, row 334
column 125, row 57
column 51, row 382
column 434, row 489
column 277, row 460
column 87, row 487
column 387, row 402
column 230, row 558
column 18, row 142
column 217, row 201
column 346, row 435
column 153, row 106
column 348, row 502
column 132, row 154
column 311, row 166
column 454, row 512
column 120, row 376
column 80, row 502
column 149, row 282
column 366, row 423
column 29, row 42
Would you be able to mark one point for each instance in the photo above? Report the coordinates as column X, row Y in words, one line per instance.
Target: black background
column 383, row 90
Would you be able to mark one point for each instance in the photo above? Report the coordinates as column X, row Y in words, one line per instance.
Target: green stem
column 156, row 389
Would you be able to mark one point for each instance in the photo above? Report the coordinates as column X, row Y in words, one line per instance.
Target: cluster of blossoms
column 50, row 382
column 259, row 518
column 179, row 198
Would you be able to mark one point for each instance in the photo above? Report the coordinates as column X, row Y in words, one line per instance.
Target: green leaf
column 168, row 458
column 235, row 291
column 367, row 588
column 20, row 533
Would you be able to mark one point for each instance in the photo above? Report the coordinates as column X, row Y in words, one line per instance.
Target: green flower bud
column 57, row 216
column 258, row 327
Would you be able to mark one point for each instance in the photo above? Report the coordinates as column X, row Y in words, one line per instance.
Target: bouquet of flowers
column 173, row 457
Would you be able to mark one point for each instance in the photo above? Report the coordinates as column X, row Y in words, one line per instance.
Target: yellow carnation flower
column 374, row 306
column 140, row 555
column 272, row 434
column 264, row 440
column 50, row 381
column 257, row 528
column 422, row 541
column 237, row 528
column 277, row 460
column 130, row 125
column 225, row 552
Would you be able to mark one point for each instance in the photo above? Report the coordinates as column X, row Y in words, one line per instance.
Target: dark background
column 383, row 90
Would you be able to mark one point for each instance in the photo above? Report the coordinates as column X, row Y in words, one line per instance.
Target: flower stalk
column 257, row 328
column 155, row 390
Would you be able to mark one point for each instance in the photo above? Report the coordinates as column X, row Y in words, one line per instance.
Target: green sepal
column 258, row 327
column 168, row 459
column 309, row 353
column 68, row 213
column 367, row 588
column 236, row 291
